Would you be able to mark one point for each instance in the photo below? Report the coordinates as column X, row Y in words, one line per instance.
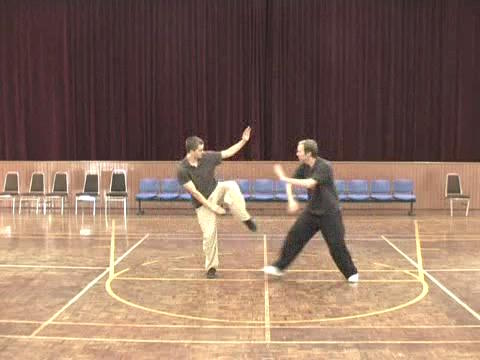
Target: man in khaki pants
column 196, row 172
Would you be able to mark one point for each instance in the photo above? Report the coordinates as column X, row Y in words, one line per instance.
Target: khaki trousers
column 229, row 193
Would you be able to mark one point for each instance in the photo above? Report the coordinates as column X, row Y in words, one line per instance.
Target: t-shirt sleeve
column 182, row 175
column 322, row 173
column 214, row 157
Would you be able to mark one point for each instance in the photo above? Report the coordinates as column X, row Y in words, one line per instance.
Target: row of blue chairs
column 268, row 190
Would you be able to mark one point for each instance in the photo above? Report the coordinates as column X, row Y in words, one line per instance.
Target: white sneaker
column 273, row 270
column 353, row 278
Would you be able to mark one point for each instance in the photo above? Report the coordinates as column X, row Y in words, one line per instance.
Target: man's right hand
column 217, row 209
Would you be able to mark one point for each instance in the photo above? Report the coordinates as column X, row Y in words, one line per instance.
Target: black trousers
column 333, row 231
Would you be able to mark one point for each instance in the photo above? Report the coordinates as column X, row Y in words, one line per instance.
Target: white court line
column 85, row 289
column 267, row 296
column 434, row 280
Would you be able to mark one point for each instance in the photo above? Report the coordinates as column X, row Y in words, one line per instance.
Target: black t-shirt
column 202, row 175
column 323, row 198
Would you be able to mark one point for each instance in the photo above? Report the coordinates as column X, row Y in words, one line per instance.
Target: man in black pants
column 321, row 214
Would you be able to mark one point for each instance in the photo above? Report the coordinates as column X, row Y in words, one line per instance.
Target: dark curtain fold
column 393, row 80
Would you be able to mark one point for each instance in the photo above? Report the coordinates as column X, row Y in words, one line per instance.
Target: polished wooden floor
column 419, row 294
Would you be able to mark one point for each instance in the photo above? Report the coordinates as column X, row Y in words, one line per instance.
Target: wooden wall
column 429, row 178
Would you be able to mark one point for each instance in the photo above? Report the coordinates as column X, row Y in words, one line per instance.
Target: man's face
column 301, row 153
column 198, row 153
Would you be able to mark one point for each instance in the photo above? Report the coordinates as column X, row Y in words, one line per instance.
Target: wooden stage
column 418, row 295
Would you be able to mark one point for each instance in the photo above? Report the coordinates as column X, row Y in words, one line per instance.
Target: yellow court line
column 267, row 296
column 419, row 252
column 84, row 290
column 108, row 287
column 238, row 342
column 51, row 267
column 434, row 280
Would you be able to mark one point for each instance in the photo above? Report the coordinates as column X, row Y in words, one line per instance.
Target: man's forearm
column 306, row 183
column 232, row 150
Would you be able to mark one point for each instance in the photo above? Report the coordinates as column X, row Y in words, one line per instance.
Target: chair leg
column 45, row 206
column 13, row 206
column 106, row 205
column 76, row 201
column 468, row 206
column 62, row 204
column 20, row 206
column 125, row 207
column 451, row 207
column 94, row 207
column 36, row 208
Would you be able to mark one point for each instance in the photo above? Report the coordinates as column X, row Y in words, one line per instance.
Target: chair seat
column 117, row 194
column 166, row 196
column 458, row 196
column 358, row 197
column 87, row 194
column 32, row 194
column 301, row 197
column 146, row 196
column 262, row 197
column 382, row 197
column 57, row 194
column 282, row 197
column 9, row 193
column 405, row 197
column 342, row 197
column 185, row 197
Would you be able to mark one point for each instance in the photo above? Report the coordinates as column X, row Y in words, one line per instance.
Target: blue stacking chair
column 149, row 188
column 263, row 190
column 403, row 190
column 380, row 190
column 358, row 190
column 281, row 190
column 244, row 185
column 169, row 189
column 341, row 187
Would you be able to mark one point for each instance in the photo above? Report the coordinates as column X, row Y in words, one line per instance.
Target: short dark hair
column 192, row 143
column 310, row 146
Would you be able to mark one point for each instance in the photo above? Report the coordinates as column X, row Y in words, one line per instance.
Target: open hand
column 219, row 210
column 246, row 134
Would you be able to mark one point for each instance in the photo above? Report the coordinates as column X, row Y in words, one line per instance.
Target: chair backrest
column 280, row 187
column 453, row 185
column 170, row 186
column 244, row 185
column 403, row 186
column 60, row 182
column 37, row 182
column 263, row 186
column 380, row 186
column 91, row 183
column 341, row 187
column 358, row 186
column 150, row 185
column 12, row 182
column 118, row 181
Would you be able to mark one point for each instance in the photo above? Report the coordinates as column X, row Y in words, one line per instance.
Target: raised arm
column 232, row 150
